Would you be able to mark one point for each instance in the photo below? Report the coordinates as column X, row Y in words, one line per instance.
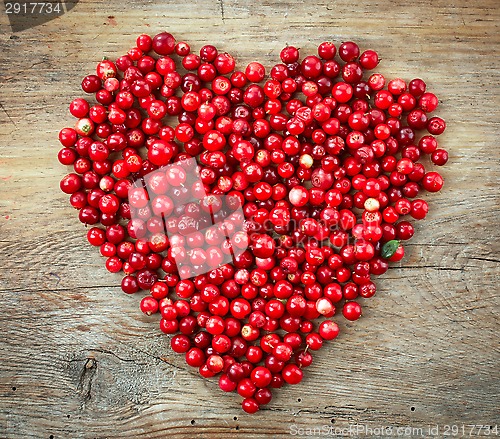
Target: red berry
column 289, row 55
column 351, row 310
column 149, row 305
column 250, row 405
column 327, row 50
column 432, row 182
column 369, row 59
column 261, row 376
column 226, row 384
column 71, row 183
column 224, row 63
column 348, row 51
column 328, row 330
column 163, row 43
column 255, row 72
column 292, row 374
column 428, row 102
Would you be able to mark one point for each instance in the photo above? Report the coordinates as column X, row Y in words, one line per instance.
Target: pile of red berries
column 322, row 157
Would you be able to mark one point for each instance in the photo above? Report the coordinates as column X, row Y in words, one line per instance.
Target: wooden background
column 78, row 360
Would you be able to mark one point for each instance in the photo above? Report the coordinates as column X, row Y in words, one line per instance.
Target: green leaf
column 389, row 248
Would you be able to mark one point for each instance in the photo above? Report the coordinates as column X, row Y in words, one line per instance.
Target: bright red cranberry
column 163, row 43
column 428, row 102
column 439, row 157
column 292, row 374
column 432, row 182
column 224, row 63
column 369, row 59
column 328, row 330
column 348, row 51
column 351, row 311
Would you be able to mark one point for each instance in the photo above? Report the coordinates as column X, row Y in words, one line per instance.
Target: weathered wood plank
column 80, row 361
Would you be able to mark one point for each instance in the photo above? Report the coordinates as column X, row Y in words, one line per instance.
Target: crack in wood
column 126, row 360
column 434, row 267
column 106, row 351
column 59, row 290
column 422, row 244
column 473, row 308
column 86, row 378
column 221, row 4
column 8, row 115
column 162, row 359
column 147, row 354
column 496, row 261
column 16, row 76
column 346, row 408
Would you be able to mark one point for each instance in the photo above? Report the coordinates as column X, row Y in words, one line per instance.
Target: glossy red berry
column 351, row 310
column 292, row 374
column 163, row 43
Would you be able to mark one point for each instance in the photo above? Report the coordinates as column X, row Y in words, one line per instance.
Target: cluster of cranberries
column 323, row 159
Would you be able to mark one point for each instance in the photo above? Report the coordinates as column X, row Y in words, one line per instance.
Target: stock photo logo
column 170, row 206
column 24, row 14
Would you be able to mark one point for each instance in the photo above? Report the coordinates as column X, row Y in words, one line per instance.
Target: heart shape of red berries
column 263, row 209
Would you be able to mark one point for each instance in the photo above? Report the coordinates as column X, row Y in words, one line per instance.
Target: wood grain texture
column 78, row 358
